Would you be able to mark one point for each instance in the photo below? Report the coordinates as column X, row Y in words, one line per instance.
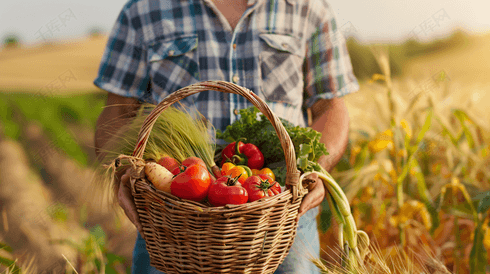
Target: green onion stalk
column 354, row 243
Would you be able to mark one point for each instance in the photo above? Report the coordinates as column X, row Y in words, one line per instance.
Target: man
column 289, row 52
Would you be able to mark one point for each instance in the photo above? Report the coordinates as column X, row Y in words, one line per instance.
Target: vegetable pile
column 192, row 181
column 255, row 128
column 252, row 165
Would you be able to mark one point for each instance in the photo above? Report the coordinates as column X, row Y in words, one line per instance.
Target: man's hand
column 316, row 193
column 331, row 119
column 125, row 200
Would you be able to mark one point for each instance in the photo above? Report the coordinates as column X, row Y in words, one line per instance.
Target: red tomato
column 226, row 190
column 169, row 163
column 260, row 186
column 192, row 161
column 187, row 163
column 195, row 160
column 191, row 184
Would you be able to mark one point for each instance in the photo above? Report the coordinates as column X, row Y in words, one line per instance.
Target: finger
column 126, row 177
column 314, row 177
column 312, row 199
column 126, row 202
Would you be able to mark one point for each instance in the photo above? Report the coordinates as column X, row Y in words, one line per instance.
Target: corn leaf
column 446, row 131
column 484, row 204
column 478, row 255
column 6, row 247
column 424, row 195
column 454, row 187
column 361, row 158
column 461, row 116
column 462, row 210
column 12, row 266
column 425, row 127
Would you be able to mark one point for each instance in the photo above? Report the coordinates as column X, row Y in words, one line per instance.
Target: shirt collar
column 252, row 2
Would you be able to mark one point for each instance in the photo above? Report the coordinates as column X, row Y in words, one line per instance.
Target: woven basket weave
column 183, row 236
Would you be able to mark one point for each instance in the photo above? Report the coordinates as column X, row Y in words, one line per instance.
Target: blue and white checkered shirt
column 289, row 52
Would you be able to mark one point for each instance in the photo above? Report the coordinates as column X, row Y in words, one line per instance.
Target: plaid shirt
column 289, row 52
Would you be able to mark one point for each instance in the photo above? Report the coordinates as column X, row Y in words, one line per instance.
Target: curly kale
column 257, row 129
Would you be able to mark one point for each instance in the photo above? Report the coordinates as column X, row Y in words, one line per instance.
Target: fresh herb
column 255, row 127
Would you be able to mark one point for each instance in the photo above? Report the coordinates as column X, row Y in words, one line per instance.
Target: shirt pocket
column 281, row 68
column 173, row 64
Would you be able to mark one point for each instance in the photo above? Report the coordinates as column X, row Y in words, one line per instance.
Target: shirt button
column 235, row 111
column 234, row 46
column 171, row 52
column 235, row 79
column 155, row 57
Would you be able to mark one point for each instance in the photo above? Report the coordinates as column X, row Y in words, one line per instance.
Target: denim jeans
column 306, row 243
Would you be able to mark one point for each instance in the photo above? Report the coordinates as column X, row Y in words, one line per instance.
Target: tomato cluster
column 237, row 184
column 253, row 183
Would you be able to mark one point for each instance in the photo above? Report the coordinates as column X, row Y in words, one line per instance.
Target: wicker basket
column 187, row 237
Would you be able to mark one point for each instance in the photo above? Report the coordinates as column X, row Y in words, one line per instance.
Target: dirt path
column 67, row 178
column 30, row 207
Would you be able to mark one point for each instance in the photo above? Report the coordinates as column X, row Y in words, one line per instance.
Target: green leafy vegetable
column 255, row 127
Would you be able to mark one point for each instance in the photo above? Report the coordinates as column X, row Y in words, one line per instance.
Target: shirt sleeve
column 328, row 67
column 123, row 69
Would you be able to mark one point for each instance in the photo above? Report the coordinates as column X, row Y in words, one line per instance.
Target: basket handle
column 292, row 174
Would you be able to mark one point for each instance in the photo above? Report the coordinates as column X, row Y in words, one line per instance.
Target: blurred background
column 416, row 169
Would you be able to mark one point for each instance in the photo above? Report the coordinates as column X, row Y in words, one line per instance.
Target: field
column 416, row 171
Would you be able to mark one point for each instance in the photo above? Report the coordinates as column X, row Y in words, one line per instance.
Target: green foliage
column 54, row 114
column 10, row 128
column 413, row 48
column 11, row 265
column 95, row 32
column 256, row 129
column 11, row 41
column 58, row 212
column 478, row 254
column 94, row 254
column 68, row 114
column 484, row 204
column 364, row 63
